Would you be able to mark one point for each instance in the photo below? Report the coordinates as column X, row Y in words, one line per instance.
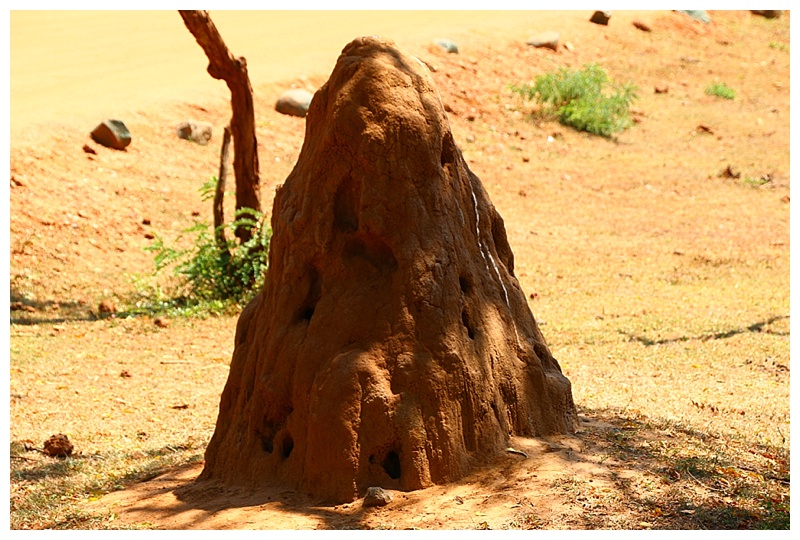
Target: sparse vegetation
column 780, row 46
column 721, row 90
column 210, row 276
column 582, row 100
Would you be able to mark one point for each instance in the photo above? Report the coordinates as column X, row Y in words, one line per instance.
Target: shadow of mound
column 619, row 471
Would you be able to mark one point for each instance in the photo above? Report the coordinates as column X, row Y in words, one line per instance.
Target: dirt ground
column 660, row 281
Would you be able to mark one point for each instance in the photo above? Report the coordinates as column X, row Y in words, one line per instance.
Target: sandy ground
column 78, row 66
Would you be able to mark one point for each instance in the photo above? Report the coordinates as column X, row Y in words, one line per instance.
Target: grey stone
column 768, row 13
column 447, row 45
column 601, row 17
column 199, row 132
column 294, row 102
column 376, row 496
column 112, row 134
column 548, row 40
column 697, row 14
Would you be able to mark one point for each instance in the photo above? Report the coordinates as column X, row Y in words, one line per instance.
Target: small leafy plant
column 217, row 270
column 721, row 90
column 582, row 99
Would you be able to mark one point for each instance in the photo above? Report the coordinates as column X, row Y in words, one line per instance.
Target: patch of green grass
column 779, row 46
column 721, row 90
column 582, row 100
column 756, row 182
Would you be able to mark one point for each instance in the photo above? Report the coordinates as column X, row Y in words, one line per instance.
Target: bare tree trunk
column 219, row 195
column 222, row 65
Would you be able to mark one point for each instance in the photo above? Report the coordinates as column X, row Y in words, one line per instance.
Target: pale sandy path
column 82, row 66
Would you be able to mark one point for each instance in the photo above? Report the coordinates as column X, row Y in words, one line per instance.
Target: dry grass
column 661, row 285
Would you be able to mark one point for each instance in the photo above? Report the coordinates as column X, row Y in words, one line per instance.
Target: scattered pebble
column 767, row 13
column 601, row 17
column 696, row 14
column 112, row 134
column 58, row 445
column 294, row 102
column 547, row 40
column 107, row 306
column 192, row 130
column 376, row 496
column 161, row 322
column 447, row 45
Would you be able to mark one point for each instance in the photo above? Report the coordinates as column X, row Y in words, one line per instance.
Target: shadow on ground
column 619, row 471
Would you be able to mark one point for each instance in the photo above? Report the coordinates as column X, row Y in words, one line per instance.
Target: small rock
column 88, row 149
column 294, row 102
column 199, row 132
column 446, row 44
column 548, row 40
column 696, row 14
column 107, row 306
column 703, row 128
column 569, row 46
column 376, row 496
column 730, row 172
column 644, row 27
column 161, row 322
column 768, row 13
column 662, row 88
column 125, row 374
column 146, row 221
column 58, row 446
column 601, row 17
column 112, row 134
column 149, row 235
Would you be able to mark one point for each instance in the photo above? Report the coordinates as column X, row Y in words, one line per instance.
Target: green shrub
column 721, row 90
column 211, row 276
column 580, row 99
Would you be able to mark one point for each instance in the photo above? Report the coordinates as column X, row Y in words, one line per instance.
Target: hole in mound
column 448, row 149
column 465, row 283
column 287, row 446
column 391, row 464
column 266, row 443
column 467, row 324
column 345, row 204
column 308, row 306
